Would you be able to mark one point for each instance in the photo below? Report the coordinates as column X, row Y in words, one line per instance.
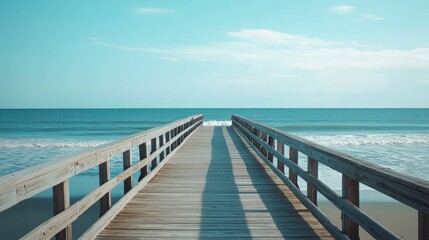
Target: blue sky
column 165, row 53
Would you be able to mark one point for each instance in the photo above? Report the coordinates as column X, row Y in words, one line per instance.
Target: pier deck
column 215, row 186
column 214, row 182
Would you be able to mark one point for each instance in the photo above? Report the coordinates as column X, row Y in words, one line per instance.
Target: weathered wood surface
column 61, row 197
column 404, row 188
column 31, row 181
column 407, row 189
column 215, row 187
column 64, row 217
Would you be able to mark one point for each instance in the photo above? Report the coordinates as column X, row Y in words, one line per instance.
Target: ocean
column 392, row 138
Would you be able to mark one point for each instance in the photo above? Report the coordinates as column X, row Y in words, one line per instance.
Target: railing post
column 313, row 170
column 423, row 226
column 161, row 143
column 104, row 176
column 61, row 196
column 350, row 191
column 143, row 155
column 259, row 136
column 128, row 183
column 152, row 150
column 180, row 138
column 280, row 149
column 271, row 143
column 255, row 132
column 176, row 132
column 167, row 139
column 264, row 138
column 293, row 156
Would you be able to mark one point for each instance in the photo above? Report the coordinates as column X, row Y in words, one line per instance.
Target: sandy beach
column 399, row 218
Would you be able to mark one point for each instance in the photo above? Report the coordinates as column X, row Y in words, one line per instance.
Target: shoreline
column 396, row 216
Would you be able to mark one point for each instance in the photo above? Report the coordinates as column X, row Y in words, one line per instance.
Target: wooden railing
column 406, row 189
column 164, row 142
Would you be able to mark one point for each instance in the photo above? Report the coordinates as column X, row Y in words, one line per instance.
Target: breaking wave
column 49, row 143
column 370, row 139
column 217, row 123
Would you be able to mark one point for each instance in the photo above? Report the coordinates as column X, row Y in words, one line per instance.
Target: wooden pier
column 214, row 182
column 214, row 187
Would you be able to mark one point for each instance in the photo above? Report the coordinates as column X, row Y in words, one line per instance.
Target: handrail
column 55, row 174
column 409, row 190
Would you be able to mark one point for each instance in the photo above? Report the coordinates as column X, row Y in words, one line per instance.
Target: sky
column 214, row 53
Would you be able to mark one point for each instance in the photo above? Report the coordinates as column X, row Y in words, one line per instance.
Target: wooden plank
column 143, row 156
column 61, row 197
column 97, row 227
column 323, row 219
column 161, row 143
column 128, row 183
column 31, row 181
column 313, row 170
column 423, row 226
column 207, row 233
column 407, row 189
column 350, row 190
column 369, row 224
column 167, row 140
column 214, row 184
column 63, row 219
column 60, row 221
column 153, row 146
column 281, row 150
column 293, row 156
column 271, row 143
column 104, row 176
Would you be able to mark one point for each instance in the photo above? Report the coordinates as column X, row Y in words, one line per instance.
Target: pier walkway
column 215, row 186
column 190, row 181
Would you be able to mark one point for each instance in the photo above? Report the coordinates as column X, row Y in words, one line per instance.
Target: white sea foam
column 49, row 143
column 370, row 139
column 217, row 123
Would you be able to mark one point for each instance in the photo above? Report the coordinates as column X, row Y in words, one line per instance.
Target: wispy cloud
column 256, row 46
column 266, row 36
column 342, row 9
column 350, row 10
column 149, row 11
column 323, row 64
column 371, row 16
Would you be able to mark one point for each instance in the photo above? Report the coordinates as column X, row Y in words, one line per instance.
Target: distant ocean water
column 393, row 138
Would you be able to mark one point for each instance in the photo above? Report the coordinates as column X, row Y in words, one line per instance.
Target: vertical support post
column 143, row 155
column 167, row 140
column 271, row 143
column 176, row 132
column 281, row 150
column 293, row 156
column 171, row 147
column 260, row 137
column 264, row 138
column 61, row 196
column 152, row 150
column 182, row 128
column 128, row 182
column 423, row 226
column 104, row 176
column 256, row 133
column 350, row 191
column 161, row 143
column 312, row 166
column 179, row 130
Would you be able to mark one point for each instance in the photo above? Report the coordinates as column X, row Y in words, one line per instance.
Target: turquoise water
column 394, row 138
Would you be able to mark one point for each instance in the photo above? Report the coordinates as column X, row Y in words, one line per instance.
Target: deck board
column 215, row 187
